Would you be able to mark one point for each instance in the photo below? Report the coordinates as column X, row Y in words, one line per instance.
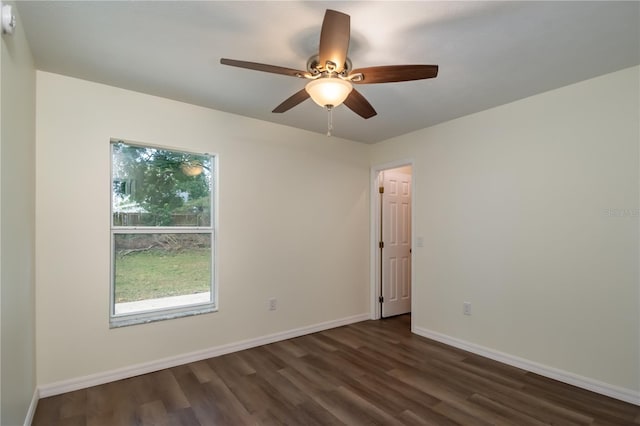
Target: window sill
column 125, row 320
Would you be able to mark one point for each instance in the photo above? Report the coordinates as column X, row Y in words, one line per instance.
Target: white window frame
column 159, row 314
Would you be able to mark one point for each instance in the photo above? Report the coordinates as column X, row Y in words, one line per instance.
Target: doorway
column 392, row 251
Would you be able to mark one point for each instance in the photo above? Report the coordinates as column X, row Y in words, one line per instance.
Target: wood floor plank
column 287, row 390
column 429, row 416
column 460, row 414
column 454, row 398
column 152, row 413
column 514, row 416
column 315, row 344
column 183, row 417
column 168, row 390
column 388, row 336
column 459, row 378
column 315, row 415
column 579, row 399
column 540, row 408
column 73, row 405
column 357, row 400
column 305, row 378
column 111, row 403
column 346, row 336
column 48, row 410
column 410, row 418
column 369, row 373
column 487, row 364
column 230, row 367
column 72, row 421
column 378, row 395
column 284, row 354
column 345, row 411
column 396, row 392
column 277, row 406
column 202, row 371
column 429, row 385
column 261, row 359
column 484, row 374
column 226, row 401
column 206, row 409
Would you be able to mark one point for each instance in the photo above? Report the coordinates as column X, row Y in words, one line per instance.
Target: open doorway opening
column 392, row 249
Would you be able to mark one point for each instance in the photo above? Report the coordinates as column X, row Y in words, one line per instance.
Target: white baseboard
column 70, row 385
column 32, row 408
column 627, row 395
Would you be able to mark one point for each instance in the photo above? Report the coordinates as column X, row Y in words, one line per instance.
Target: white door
column 396, row 243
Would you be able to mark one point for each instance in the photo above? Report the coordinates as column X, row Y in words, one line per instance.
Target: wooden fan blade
column 292, row 101
column 394, row 73
column 263, row 67
column 358, row 104
column 334, row 39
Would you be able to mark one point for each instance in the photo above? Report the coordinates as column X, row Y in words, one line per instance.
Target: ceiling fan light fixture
column 328, row 91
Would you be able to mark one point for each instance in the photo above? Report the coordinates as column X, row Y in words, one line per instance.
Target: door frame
column 374, row 211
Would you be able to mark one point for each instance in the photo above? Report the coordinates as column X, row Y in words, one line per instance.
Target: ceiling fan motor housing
column 315, row 67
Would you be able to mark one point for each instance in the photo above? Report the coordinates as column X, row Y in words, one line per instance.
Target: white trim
column 32, row 407
column 57, row 388
column 163, row 303
column 626, row 395
column 374, row 262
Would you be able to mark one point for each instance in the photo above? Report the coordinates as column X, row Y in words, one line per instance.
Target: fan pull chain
column 330, row 120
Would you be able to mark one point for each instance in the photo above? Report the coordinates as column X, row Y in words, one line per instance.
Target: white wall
column 293, row 209
column 528, row 211
column 513, row 204
column 17, row 227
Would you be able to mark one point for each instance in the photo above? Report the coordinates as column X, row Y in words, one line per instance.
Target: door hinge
column 381, row 244
column 381, row 299
column 381, row 190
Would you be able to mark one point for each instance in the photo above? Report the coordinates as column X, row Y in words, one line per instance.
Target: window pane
column 154, row 271
column 157, row 187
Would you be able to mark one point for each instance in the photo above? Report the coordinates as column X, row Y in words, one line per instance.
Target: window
column 162, row 233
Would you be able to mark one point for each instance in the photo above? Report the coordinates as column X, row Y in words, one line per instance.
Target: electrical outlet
column 466, row 308
column 273, row 304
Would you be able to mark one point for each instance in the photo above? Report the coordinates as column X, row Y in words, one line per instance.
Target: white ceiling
column 489, row 52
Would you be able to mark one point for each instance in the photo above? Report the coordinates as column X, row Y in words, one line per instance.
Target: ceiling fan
column 331, row 74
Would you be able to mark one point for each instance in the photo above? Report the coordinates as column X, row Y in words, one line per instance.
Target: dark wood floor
column 370, row 373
